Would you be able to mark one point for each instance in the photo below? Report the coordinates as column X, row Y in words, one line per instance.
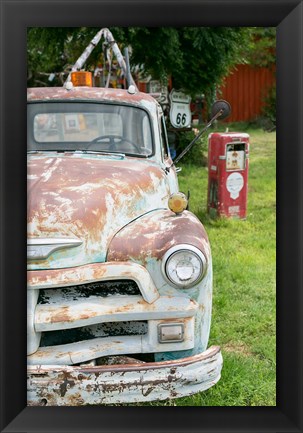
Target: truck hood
column 83, row 201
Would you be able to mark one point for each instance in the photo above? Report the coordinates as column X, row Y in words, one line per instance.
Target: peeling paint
column 89, row 199
column 74, row 386
column 96, row 222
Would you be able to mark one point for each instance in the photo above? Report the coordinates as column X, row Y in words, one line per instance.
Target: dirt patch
column 238, row 348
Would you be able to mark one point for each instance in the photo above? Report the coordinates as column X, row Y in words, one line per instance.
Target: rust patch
column 59, row 277
column 153, row 234
column 86, row 197
column 99, row 94
column 209, row 354
column 62, row 315
column 64, row 386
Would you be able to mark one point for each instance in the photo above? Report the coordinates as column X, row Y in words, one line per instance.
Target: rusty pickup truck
column 119, row 271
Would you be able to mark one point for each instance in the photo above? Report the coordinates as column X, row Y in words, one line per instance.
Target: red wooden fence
column 245, row 88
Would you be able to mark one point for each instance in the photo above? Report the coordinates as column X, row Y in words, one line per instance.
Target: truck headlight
column 183, row 265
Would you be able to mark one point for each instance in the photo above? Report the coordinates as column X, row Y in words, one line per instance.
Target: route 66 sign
column 179, row 114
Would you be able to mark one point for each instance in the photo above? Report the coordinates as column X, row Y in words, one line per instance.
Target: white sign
column 180, row 114
column 235, row 160
column 234, row 184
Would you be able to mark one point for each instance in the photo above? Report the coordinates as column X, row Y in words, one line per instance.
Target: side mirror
column 219, row 111
column 223, row 106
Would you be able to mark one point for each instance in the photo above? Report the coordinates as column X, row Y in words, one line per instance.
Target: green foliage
column 260, row 49
column 197, row 154
column 269, row 109
column 210, row 52
column 197, row 58
column 55, row 50
column 45, row 53
column 156, row 50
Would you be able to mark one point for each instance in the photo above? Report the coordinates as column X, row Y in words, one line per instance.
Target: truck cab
column 119, row 271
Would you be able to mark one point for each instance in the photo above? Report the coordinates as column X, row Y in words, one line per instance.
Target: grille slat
column 97, row 288
column 115, row 329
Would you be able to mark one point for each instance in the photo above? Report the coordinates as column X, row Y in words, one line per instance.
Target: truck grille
column 115, row 329
column 101, row 289
column 97, row 288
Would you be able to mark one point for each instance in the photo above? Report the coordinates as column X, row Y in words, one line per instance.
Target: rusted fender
column 130, row 383
column 153, row 234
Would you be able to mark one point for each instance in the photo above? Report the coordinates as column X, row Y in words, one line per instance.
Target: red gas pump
column 228, row 155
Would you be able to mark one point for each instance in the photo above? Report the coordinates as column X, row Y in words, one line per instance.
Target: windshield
column 86, row 126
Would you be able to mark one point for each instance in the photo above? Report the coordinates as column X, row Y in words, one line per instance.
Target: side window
column 146, row 133
column 164, row 142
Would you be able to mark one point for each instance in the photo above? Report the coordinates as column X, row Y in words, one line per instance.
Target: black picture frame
column 16, row 16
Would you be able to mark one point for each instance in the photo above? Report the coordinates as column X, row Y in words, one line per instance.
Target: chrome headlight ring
column 183, row 265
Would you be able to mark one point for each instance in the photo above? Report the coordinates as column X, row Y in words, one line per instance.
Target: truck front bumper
column 128, row 383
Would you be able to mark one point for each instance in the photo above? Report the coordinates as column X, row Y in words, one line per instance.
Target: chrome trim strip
column 41, row 248
column 54, row 241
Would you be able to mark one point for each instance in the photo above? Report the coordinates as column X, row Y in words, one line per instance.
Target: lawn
column 244, row 263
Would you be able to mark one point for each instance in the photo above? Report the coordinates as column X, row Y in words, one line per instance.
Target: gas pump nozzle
column 220, row 110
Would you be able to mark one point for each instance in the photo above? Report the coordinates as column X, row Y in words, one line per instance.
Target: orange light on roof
column 177, row 202
column 82, row 78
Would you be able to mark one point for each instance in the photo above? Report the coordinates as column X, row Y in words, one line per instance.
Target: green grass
column 244, row 262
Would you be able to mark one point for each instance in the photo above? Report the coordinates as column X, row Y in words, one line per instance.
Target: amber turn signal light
column 177, row 202
column 82, row 78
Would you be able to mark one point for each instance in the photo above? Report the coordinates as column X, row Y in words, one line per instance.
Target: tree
column 260, row 50
column 196, row 58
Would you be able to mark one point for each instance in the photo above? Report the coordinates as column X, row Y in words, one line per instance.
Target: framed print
column 16, row 17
